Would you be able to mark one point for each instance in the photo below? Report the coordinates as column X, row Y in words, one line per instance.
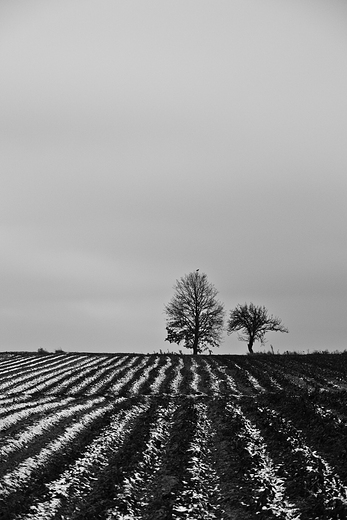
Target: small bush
column 42, row 351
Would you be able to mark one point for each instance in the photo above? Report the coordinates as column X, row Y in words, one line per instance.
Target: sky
column 140, row 141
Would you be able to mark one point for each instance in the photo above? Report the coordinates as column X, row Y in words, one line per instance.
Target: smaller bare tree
column 254, row 322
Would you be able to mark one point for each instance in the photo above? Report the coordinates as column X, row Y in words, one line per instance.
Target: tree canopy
column 194, row 315
column 254, row 322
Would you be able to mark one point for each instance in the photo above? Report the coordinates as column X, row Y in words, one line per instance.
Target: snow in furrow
column 24, row 366
column 155, row 386
column 131, row 371
column 254, row 382
column 10, row 405
column 201, row 495
column 69, row 382
column 328, row 483
column 14, row 480
column 88, row 380
column 11, row 420
column 39, row 428
column 223, row 375
column 121, row 364
column 214, row 381
column 196, row 378
column 66, row 492
column 269, row 487
column 178, row 378
column 138, row 383
column 56, row 377
column 41, row 376
column 134, row 494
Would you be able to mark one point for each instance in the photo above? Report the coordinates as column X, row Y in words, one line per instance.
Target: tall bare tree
column 194, row 315
column 254, row 321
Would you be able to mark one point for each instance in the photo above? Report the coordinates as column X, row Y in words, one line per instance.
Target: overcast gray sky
column 141, row 140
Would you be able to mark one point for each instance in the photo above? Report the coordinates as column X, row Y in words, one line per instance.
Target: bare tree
column 254, row 321
column 194, row 315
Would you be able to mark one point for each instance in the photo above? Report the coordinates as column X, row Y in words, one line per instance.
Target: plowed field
column 150, row 437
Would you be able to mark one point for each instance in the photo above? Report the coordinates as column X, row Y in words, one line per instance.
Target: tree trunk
column 250, row 346
column 196, row 334
column 195, row 344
